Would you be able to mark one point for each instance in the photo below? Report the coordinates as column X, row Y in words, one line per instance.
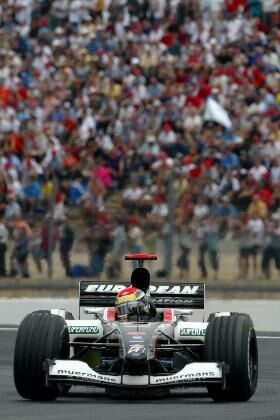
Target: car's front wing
column 79, row 373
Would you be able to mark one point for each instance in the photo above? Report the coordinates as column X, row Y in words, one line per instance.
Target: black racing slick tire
column 232, row 339
column 40, row 336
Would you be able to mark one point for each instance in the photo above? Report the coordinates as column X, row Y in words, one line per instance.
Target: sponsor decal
column 89, row 377
column 77, row 329
column 136, row 348
column 137, row 337
column 140, row 333
column 187, row 377
column 192, row 332
column 180, row 290
column 115, row 288
column 106, row 288
column 172, row 300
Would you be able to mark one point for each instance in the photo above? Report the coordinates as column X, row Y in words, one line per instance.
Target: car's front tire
column 232, row 339
column 40, row 336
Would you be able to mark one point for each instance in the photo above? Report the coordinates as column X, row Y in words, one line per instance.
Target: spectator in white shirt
column 258, row 171
column 167, row 136
column 132, row 194
column 13, row 210
column 75, row 13
column 200, row 209
column 160, row 207
column 256, row 236
column 275, row 172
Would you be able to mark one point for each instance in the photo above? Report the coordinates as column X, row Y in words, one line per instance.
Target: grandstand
column 136, row 124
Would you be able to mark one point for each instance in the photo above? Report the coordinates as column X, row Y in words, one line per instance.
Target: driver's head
column 140, row 278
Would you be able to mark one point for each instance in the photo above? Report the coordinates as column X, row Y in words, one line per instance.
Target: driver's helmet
column 132, row 304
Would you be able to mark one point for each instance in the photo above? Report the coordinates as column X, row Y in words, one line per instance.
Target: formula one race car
column 53, row 351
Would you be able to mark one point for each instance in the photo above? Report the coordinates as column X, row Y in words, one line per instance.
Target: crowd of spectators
column 102, row 96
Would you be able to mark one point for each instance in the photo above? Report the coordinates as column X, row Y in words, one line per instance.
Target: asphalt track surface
column 92, row 403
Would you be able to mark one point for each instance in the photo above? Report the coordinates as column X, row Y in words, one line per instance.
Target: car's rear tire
column 40, row 336
column 232, row 339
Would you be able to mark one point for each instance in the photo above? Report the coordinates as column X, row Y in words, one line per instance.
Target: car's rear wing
column 102, row 294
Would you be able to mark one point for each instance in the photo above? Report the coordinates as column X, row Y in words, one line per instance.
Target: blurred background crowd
column 136, row 125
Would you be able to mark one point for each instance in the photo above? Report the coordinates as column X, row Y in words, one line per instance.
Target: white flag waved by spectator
column 215, row 112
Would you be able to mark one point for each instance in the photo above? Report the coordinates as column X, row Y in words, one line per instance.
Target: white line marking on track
column 8, row 328
column 270, row 337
